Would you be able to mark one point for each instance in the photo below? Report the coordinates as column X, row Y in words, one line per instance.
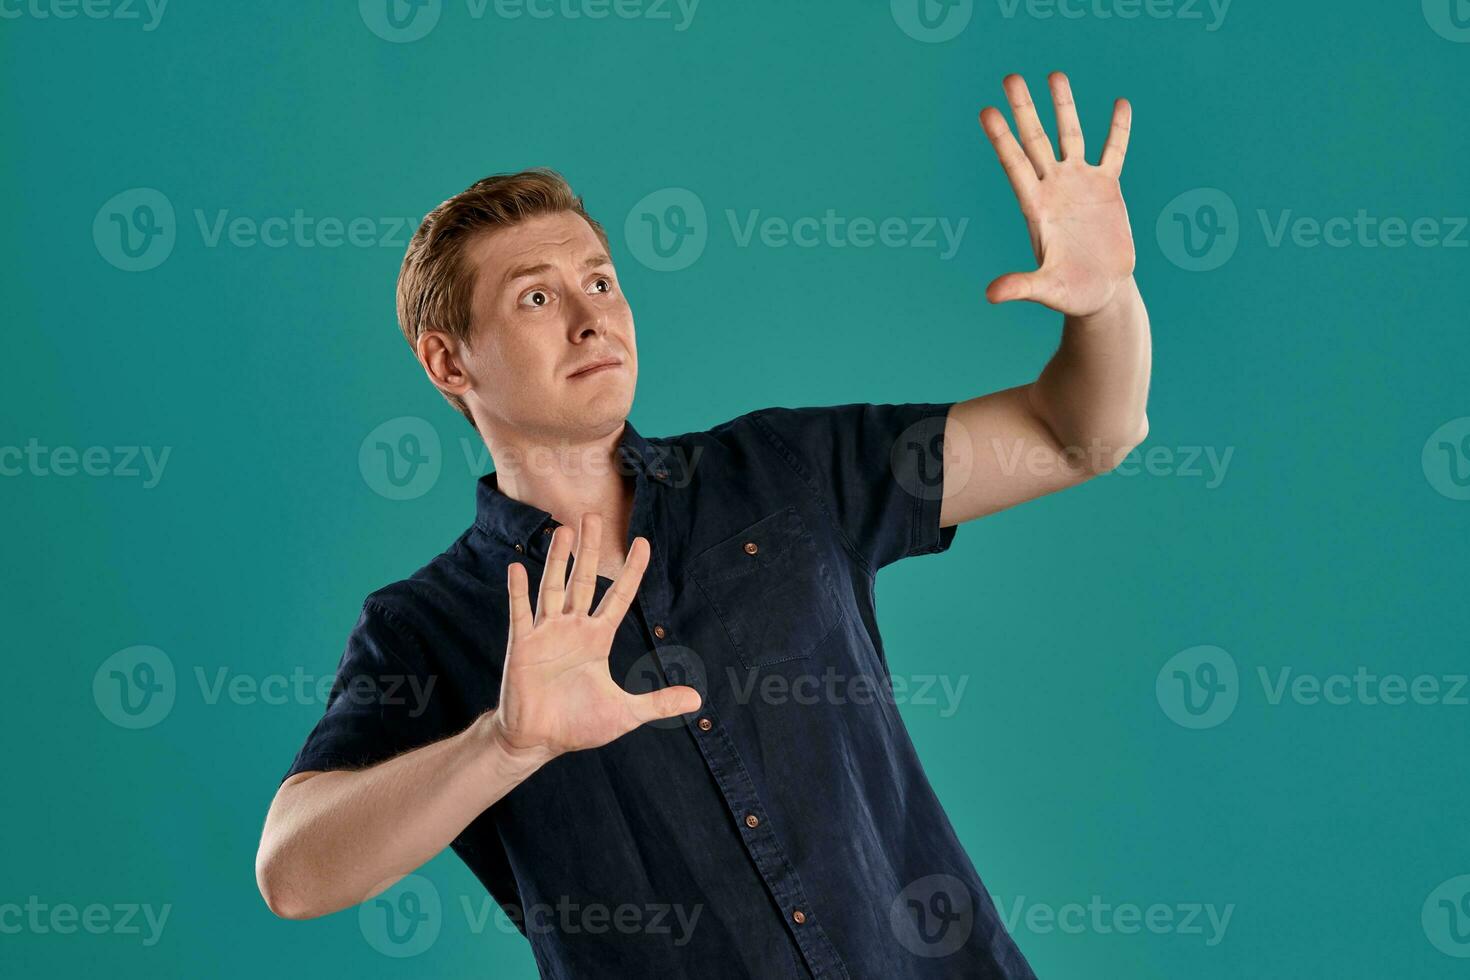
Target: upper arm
column 998, row 453
column 387, row 698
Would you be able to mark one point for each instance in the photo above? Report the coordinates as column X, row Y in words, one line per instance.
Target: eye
column 536, row 298
column 602, row 284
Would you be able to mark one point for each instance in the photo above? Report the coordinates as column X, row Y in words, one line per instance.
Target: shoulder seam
column 399, row 626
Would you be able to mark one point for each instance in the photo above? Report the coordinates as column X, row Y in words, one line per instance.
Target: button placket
column 725, row 765
column 766, row 851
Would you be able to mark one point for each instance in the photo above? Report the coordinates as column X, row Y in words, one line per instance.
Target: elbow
column 1140, row 433
column 1111, row 452
column 281, row 898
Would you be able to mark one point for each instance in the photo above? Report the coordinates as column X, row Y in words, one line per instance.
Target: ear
column 439, row 353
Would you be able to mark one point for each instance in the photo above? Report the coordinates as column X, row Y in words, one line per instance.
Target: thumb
column 666, row 702
column 1014, row 286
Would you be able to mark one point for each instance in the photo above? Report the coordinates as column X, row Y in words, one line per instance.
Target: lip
column 596, row 367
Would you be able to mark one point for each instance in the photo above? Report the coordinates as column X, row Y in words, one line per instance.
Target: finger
column 620, row 594
column 1028, row 125
column 584, row 569
column 1069, row 127
column 554, row 578
column 1018, row 169
column 666, row 702
column 1014, row 286
column 1117, row 146
column 520, row 606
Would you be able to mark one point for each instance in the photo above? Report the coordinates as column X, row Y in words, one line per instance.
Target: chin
column 607, row 406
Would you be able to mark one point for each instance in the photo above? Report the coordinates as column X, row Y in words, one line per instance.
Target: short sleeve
column 384, row 701
column 877, row 469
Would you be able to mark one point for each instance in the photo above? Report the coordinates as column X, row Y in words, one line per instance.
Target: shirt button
column 520, row 549
column 798, row 916
column 752, row 821
column 705, row 724
column 548, row 529
column 751, row 548
column 659, row 631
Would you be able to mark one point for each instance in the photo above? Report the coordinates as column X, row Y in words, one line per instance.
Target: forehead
column 562, row 240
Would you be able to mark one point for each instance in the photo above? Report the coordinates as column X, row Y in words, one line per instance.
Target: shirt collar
column 517, row 523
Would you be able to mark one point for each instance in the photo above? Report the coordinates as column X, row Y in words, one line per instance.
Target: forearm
column 1093, row 393
column 334, row 839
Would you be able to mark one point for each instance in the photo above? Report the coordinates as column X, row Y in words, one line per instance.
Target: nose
column 585, row 319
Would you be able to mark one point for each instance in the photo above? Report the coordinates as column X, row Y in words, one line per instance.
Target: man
column 790, row 837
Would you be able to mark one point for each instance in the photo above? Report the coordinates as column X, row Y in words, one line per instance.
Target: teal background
column 1325, row 548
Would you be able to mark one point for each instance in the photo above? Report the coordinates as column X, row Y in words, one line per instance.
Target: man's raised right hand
column 557, row 694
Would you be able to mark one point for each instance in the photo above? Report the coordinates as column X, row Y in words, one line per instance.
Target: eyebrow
column 521, row 272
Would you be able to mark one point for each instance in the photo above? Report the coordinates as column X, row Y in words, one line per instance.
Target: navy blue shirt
column 786, row 827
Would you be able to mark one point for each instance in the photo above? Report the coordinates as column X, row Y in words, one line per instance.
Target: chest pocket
column 771, row 589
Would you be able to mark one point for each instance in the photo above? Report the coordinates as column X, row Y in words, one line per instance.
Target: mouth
column 596, row 367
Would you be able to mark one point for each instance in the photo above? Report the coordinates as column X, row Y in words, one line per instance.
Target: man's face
column 546, row 306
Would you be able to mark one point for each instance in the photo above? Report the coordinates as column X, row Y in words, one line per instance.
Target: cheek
column 510, row 354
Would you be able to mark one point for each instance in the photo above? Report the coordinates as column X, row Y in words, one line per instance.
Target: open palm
column 557, row 694
column 1074, row 211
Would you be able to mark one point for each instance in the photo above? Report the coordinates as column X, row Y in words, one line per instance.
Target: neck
column 567, row 479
